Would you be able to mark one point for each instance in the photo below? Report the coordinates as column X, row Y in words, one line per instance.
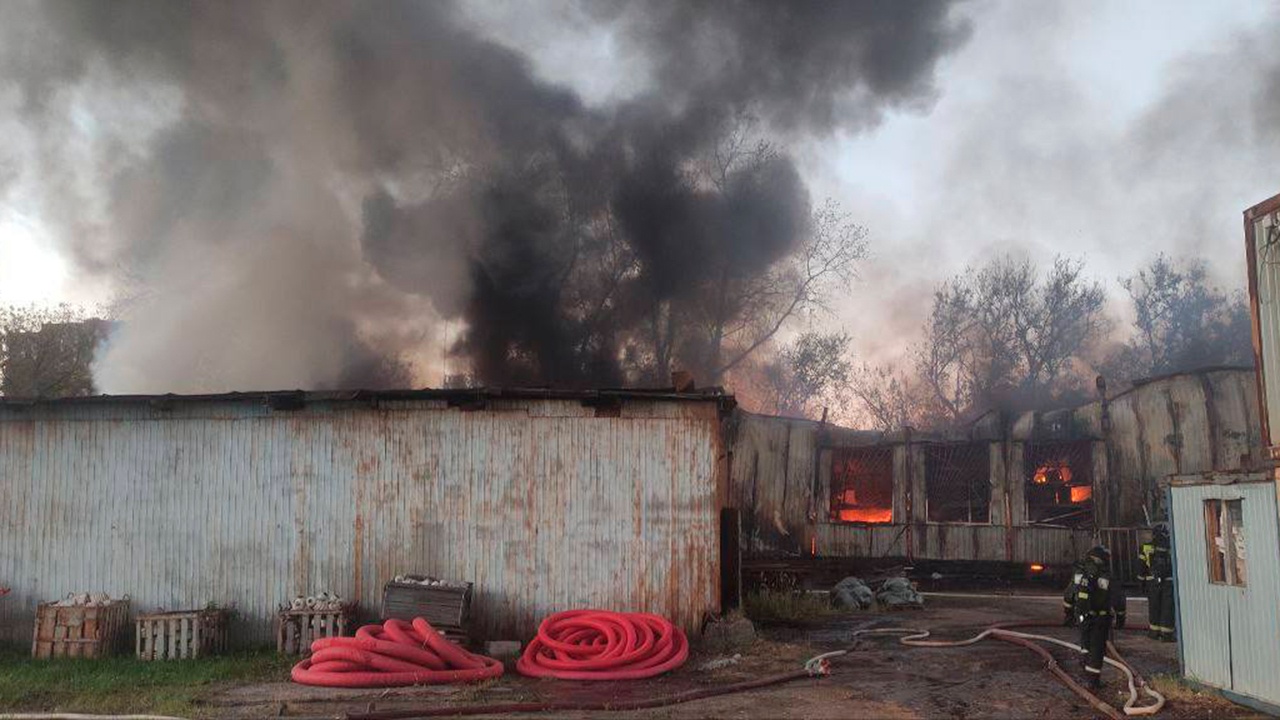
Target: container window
column 1225, row 541
column 862, row 485
column 958, row 483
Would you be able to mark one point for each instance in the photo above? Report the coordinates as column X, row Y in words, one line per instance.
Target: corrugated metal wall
column 1182, row 424
column 542, row 504
column 1266, row 261
column 1230, row 635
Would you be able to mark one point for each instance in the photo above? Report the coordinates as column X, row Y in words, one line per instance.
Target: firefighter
column 1157, row 580
column 1098, row 603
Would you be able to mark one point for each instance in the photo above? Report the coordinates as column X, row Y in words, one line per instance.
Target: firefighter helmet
column 1099, row 552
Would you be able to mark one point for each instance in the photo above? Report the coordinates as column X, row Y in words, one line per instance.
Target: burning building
column 1032, row 489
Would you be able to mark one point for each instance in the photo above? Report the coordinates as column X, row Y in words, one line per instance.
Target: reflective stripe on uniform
column 1082, row 595
column 1160, row 628
column 1094, row 670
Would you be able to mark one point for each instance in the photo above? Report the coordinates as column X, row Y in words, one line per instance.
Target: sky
column 1105, row 131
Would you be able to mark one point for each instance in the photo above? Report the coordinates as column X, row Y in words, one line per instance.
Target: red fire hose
column 603, row 645
column 392, row 654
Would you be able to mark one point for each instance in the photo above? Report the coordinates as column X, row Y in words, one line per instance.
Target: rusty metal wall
column 541, row 503
column 1262, row 224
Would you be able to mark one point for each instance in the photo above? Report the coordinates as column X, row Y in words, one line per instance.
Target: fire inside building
column 1016, row 493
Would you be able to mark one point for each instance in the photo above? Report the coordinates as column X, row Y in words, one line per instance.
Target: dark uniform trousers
column 1160, row 605
column 1157, row 576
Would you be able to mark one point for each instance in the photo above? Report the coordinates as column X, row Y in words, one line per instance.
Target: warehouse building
column 545, row 500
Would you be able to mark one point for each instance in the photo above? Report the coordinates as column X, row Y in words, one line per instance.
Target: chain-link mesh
column 958, row 482
column 862, row 485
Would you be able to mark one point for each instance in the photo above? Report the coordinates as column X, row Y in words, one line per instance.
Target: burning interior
column 862, row 485
column 958, row 482
column 1059, row 489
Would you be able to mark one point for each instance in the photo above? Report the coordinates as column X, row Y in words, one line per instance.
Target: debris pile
column 853, row 594
column 98, row 599
column 899, row 594
column 427, row 581
column 322, row 602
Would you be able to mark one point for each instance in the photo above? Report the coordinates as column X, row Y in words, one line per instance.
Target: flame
column 1080, row 493
column 1053, row 470
column 866, row 515
column 1037, row 567
column 850, row 497
column 813, row 546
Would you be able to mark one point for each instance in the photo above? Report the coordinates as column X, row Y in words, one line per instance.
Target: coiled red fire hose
column 603, row 645
column 392, row 654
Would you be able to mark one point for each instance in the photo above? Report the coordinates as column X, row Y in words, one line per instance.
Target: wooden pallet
column 297, row 629
column 180, row 635
column 80, row 631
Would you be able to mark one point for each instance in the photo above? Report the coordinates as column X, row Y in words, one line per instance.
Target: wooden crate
column 297, row 629
column 446, row 607
column 180, row 635
column 80, row 631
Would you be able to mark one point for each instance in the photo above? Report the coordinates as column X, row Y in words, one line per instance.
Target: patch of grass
column 1188, row 701
column 126, row 684
column 781, row 607
column 1175, row 690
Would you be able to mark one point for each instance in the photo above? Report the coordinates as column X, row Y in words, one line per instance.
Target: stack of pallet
column 180, row 635
column 443, row 603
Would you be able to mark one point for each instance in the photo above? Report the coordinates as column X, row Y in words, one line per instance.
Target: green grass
column 788, row 606
column 125, row 684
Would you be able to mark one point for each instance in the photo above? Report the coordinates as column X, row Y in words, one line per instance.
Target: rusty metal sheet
column 542, row 504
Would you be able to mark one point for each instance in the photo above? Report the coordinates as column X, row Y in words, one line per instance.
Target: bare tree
column 799, row 284
column 47, row 351
column 1181, row 322
column 1006, row 333
column 891, row 398
column 810, row 372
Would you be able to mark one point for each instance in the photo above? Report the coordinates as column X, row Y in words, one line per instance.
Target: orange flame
column 1057, row 471
column 866, row 515
column 1080, row 493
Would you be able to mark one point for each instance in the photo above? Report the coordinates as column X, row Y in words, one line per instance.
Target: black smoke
column 302, row 191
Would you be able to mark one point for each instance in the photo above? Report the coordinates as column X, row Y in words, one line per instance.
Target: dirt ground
column 879, row 679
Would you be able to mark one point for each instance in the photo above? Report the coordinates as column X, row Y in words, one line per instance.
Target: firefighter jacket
column 1098, row 596
column 1156, row 563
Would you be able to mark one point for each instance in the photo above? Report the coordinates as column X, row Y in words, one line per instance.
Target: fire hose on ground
column 601, row 645
column 916, row 638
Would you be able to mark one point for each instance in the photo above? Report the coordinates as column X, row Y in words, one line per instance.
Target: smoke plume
column 300, row 193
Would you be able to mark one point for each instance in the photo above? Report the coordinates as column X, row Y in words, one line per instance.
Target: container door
column 1255, row 605
column 1202, row 605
